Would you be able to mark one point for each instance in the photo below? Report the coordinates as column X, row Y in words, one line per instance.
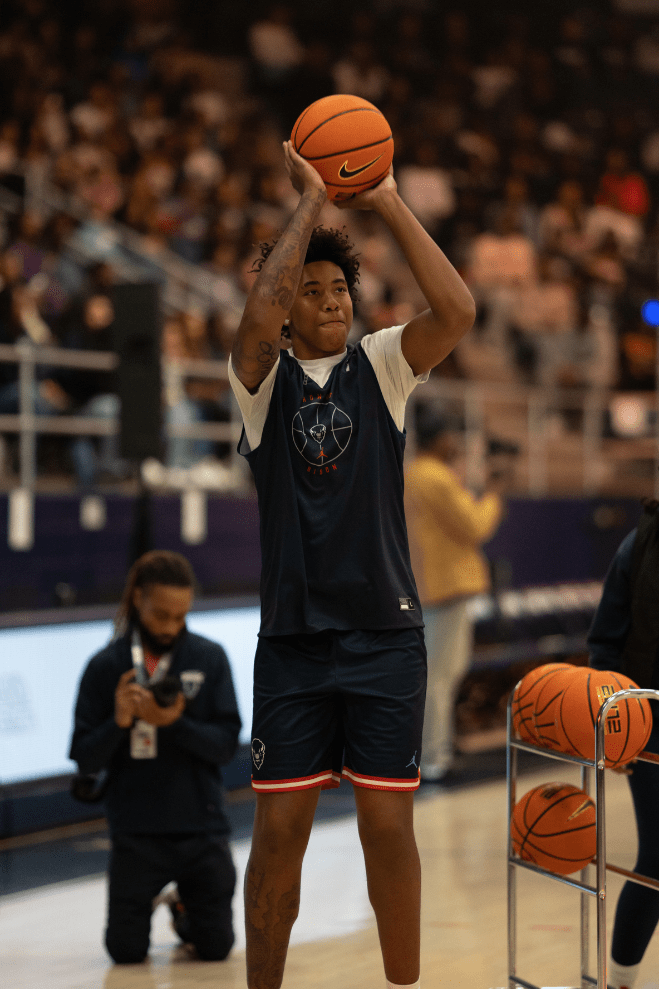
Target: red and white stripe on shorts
column 380, row 782
column 329, row 779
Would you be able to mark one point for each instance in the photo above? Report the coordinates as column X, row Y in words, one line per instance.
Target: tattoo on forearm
column 279, row 277
column 269, row 918
column 266, row 358
column 267, row 354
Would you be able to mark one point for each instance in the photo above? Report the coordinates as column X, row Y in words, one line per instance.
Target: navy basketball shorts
column 339, row 703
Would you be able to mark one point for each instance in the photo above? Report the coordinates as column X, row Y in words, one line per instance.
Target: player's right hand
column 127, row 698
column 303, row 176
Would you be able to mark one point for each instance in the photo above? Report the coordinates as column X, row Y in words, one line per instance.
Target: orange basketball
column 546, row 703
column 553, row 826
column 524, row 696
column 347, row 140
column 628, row 723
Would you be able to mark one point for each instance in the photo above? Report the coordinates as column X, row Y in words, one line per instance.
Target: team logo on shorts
column 321, row 432
column 258, row 752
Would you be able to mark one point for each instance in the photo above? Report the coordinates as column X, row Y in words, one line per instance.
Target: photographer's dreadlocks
column 156, row 567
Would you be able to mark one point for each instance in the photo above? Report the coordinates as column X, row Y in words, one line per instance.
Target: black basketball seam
column 540, row 711
column 299, row 123
column 613, row 677
column 593, row 715
column 535, row 683
column 349, row 151
column 530, row 828
column 557, row 834
column 558, row 858
column 620, row 759
column 531, row 731
column 533, row 687
column 559, row 718
column 341, row 113
column 546, row 810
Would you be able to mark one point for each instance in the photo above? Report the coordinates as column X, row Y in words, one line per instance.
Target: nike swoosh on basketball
column 349, row 173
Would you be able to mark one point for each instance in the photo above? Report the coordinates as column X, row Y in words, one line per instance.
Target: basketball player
column 340, row 668
column 624, row 637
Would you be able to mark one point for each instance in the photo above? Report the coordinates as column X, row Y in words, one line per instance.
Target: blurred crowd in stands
column 142, row 139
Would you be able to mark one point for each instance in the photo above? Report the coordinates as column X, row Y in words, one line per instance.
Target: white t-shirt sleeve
column 254, row 407
column 395, row 376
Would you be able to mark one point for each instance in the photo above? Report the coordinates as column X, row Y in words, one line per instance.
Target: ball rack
column 513, row 746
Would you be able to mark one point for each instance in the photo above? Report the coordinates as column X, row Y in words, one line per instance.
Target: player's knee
column 277, row 835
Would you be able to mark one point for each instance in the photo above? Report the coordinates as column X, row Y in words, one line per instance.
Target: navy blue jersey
column 329, row 478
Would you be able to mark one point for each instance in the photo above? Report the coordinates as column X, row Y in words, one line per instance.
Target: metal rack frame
column 599, row 889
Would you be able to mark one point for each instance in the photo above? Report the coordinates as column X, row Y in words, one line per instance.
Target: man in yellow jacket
column 447, row 526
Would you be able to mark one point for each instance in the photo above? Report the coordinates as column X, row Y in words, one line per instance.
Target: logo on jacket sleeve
column 191, row 681
column 258, row 752
column 321, row 432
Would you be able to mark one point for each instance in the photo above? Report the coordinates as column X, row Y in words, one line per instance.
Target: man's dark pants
column 141, row 865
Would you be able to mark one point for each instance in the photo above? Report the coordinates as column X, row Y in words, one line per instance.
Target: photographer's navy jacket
column 180, row 791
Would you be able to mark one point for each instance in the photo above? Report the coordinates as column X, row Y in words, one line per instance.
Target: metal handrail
column 103, row 360
column 28, row 425
column 473, row 395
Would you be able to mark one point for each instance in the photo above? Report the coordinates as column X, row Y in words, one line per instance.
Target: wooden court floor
column 51, row 937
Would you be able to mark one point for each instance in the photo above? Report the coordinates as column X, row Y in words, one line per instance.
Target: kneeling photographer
column 157, row 710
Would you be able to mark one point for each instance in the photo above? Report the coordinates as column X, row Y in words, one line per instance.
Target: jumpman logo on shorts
column 412, row 761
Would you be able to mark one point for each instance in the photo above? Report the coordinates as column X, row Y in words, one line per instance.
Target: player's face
column 321, row 315
column 162, row 610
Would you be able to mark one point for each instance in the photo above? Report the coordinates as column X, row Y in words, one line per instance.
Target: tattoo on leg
column 268, row 921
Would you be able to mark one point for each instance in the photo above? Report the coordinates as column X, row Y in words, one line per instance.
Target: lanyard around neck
column 137, row 652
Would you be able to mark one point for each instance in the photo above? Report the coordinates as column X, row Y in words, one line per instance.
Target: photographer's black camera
column 166, row 691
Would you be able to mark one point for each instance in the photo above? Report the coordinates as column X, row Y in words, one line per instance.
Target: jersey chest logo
column 321, row 432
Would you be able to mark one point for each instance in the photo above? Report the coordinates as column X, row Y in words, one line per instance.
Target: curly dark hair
column 154, row 567
column 326, row 244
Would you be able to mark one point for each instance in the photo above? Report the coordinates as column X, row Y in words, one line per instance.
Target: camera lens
column 165, row 691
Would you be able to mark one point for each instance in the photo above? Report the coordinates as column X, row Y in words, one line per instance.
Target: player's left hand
column 303, row 175
column 148, row 710
column 371, row 198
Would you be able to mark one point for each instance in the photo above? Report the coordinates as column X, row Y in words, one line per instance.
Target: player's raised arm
column 429, row 337
column 256, row 347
